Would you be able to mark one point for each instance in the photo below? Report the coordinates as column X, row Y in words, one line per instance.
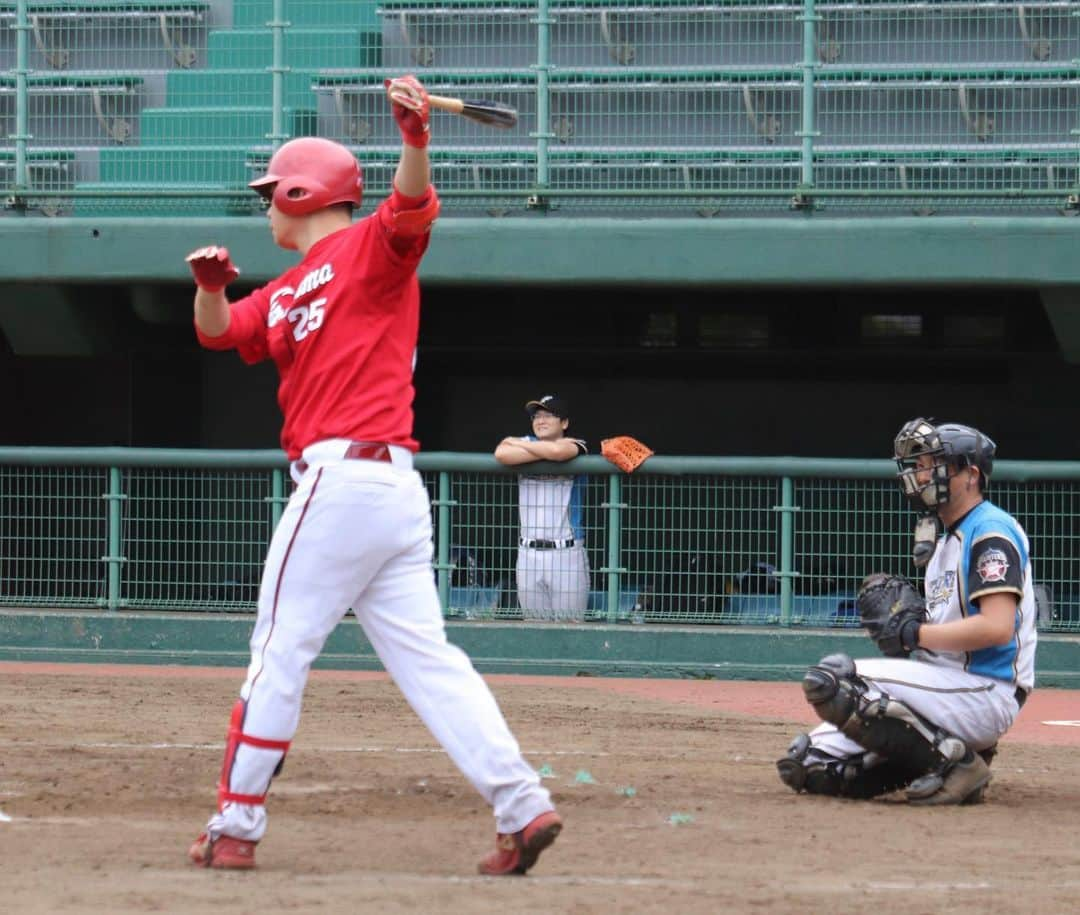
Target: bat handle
column 443, row 103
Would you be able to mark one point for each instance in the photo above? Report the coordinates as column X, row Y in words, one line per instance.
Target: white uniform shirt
column 986, row 552
column 550, row 505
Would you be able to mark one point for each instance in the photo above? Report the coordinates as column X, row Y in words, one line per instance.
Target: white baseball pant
column 357, row 533
column 553, row 584
column 978, row 710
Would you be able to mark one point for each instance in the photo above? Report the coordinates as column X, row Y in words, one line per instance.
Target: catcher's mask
column 951, row 446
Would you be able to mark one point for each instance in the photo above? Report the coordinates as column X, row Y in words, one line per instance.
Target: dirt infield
column 107, row 773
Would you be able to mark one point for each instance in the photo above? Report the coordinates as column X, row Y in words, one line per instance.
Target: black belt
column 546, row 544
column 1020, row 696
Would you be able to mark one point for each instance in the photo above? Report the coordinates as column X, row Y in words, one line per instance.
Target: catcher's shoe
column 962, row 783
column 515, row 853
column 223, row 852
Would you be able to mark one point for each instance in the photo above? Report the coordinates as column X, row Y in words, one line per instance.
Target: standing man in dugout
column 957, row 667
column 552, row 568
column 341, row 327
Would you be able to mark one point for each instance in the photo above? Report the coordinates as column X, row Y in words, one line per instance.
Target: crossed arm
column 512, row 450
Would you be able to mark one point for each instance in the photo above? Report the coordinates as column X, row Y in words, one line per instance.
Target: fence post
column 543, row 100
column 443, row 566
column 614, row 505
column 808, row 127
column 22, row 100
column 278, row 69
column 787, row 548
column 114, row 557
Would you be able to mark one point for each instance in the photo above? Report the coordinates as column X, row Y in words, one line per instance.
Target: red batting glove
column 409, row 102
column 212, row 269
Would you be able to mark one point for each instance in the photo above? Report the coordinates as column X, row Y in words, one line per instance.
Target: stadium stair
column 203, row 136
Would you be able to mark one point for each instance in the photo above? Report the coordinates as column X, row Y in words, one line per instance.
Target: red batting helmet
column 308, row 174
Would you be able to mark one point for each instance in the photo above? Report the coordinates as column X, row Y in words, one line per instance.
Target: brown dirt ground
column 106, row 774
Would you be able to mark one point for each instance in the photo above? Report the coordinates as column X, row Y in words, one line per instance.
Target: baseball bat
column 491, row 114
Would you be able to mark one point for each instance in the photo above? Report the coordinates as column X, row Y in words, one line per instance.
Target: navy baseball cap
column 550, row 402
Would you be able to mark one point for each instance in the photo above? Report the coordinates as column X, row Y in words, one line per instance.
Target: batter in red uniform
column 341, row 326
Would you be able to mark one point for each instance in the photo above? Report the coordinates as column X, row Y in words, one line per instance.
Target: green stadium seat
column 1031, row 106
column 485, row 33
column 353, row 108
column 144, row 34
column 73, row 109
column 47, row 170
column 1006, row 33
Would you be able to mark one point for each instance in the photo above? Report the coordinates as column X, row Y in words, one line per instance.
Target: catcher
column 957, row 667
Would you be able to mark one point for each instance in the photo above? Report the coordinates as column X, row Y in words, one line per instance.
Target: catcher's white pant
column 553, row 584
column 978, row 710
column 357, row 533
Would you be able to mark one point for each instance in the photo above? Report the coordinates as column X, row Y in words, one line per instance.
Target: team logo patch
column 992, row 566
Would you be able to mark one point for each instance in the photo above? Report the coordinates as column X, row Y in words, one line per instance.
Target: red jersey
column 341, row 326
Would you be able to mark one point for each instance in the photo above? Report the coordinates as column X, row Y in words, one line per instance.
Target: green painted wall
column 1032, row 251
column 722, row 653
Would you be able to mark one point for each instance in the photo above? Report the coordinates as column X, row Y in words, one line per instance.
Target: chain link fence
column 752, row 541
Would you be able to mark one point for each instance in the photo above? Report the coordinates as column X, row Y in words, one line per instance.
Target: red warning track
column 1051, row 716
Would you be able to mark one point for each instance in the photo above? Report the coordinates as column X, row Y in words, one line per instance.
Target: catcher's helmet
column 308, row 174
column 950, row 445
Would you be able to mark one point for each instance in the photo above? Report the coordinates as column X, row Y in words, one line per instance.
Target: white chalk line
column 551, row 880
column 4, row 818
column 55, row 821
column 900, row 886
column 1063, row 724
column 533, row 752
column 403, row 878
column 114, row 745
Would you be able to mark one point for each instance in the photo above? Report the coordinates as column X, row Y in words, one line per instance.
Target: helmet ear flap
column 298, row 195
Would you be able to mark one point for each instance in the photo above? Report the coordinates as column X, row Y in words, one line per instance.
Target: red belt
column 359, row 451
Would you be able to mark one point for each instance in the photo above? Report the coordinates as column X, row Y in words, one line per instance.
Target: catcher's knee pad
column 806, row 768
column 830, row 687
column 235, row 737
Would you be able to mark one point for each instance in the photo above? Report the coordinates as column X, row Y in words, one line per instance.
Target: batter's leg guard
column 807, row 768
column 883, row 725
column 226, row 851
column 235, row 737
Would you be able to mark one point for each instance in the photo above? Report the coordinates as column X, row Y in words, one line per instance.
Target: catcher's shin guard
column 883, row 725
column 235, row 737
column 806, row 768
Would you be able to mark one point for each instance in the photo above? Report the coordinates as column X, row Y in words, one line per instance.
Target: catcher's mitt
column 891, row 611
column 625, row 452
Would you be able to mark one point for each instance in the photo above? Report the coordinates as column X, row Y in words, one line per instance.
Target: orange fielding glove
column 625, row 452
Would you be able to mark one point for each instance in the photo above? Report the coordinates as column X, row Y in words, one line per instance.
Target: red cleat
column 516, row 853
column 223, row 852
